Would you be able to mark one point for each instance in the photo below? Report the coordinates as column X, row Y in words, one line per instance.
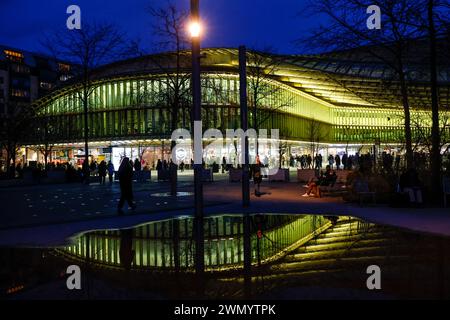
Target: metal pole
column 198, row 187
column 244, row 123
column 245, row 173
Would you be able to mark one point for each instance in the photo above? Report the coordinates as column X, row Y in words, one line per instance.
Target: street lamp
column 195, row 29
column 195, row 32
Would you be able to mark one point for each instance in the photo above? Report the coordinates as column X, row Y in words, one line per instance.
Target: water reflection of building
column 333, row 101
column 166, row 244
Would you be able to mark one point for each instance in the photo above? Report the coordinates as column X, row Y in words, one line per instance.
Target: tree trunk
column 86, row 133
column 13, row 161
column 407, row 112
column 435, row 132
column 173, row 172
column 45, row 159
column 8, row 161
column 173, row 169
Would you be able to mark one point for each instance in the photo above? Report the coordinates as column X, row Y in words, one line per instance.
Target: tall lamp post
column 195, row 32
column 245, row 172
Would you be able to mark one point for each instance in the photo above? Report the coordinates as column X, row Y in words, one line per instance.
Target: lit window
column 63, row 67
column 64, row 77
column 46, row 85
column 14, row 55
column 20, row 68
column 19, row 93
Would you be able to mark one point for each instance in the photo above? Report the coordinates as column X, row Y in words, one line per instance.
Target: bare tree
column 87, row 48
column 265, row 97
column 435, row 21
column 423, row 136
column 347, row 134
column 390, row 46
column 46, row 134
column 169, row 22
column 283, row 147
column 316, row 133
column 14, row 131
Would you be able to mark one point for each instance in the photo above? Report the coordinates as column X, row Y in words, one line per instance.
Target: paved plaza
column 51, row 214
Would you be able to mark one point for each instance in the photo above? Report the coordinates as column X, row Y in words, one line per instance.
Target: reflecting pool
column 169, row 244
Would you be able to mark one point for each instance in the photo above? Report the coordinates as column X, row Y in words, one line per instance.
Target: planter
column 235, row 175
column 304, row 175
column 142, row 176
column 57, row 176
column 281, row 175
column 163, row 175
column 207, row 175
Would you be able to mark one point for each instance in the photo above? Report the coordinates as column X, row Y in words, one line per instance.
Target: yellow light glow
column 195, row 29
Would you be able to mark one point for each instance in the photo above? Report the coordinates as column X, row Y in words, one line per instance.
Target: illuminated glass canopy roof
column 341, row 82
column 352, row 100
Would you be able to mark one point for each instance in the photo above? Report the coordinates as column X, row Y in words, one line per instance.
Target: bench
column 342, row 175
column 280, row 175
column 142, row 176
column 235, row 175
column 367, row 195
column 55, row 176
column 163, row 175
column 305, row 175
column 330, row 188
column 363, row 192
column 207, row 175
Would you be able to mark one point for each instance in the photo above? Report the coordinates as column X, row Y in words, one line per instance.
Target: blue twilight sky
column 230, row 23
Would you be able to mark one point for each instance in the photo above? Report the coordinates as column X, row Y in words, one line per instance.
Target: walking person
column 126, row 185
column 137, row 165
column 159, row 165
column 110, row 171
column 317, row 164
column 86, row 172
column 309, row 161
column 102, row 172
column 411, row 184
column 331, row 161
column 182, row 166
column 345, row 161
column 337, row 160
column 257, row 177
column 224, row 164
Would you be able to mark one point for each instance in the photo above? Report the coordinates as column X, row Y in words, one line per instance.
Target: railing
column 155, row 244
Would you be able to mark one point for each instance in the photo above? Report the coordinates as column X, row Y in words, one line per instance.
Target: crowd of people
column 338, row 162
column 383, row 175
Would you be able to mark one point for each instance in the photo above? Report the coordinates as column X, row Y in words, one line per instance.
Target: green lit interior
column 128, row 108
column 154, row 243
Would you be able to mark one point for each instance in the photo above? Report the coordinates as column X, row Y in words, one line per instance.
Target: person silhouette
column 126, row 185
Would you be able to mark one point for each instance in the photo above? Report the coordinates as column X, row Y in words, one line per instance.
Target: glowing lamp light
column 195, row 29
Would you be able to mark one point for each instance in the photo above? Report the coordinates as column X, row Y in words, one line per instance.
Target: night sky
column 229, row 23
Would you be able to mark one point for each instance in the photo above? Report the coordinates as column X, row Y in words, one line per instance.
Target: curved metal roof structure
column 341, row 82
column 354, row 100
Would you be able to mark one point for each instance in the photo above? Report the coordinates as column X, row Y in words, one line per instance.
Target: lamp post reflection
column 195, row 32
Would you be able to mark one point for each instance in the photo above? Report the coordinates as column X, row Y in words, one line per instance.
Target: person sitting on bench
column 411, row 185
column 327, row 179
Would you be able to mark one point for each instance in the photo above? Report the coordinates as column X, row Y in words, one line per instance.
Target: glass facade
column 138, row 108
